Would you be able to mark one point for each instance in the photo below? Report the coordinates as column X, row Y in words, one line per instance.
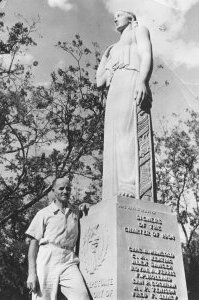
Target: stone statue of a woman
column 128, row 153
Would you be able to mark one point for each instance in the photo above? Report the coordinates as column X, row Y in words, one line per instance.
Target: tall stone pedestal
column 130, row 249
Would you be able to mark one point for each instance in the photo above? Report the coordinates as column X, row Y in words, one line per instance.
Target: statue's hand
column 140, row 93
column 143, row 97
column 32, row 282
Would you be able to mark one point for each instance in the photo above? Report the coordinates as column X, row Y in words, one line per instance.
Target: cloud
column 23, row 58
column 62, row 4
column 26, row 58
column 59, row 146
column 61, row 64
column 188, row 53
column 166, row 20
column 183, row 5
column 43, row 83
column 5, row 60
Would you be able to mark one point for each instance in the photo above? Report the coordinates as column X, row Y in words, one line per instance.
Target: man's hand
column 140, row 93
column 32, row 282
column 84, row 208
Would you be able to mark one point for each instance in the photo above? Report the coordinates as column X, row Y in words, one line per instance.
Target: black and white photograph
column 99, row 149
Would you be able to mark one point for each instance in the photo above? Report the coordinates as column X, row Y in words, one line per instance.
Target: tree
column 45, row 133
column 69, row 112
column 50, row 132
column 177, row 170
column 14, row 80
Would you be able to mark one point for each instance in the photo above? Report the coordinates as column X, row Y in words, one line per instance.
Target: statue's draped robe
column 127, row 159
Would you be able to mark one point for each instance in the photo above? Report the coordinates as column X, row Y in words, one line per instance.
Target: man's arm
column 32, row 281
column 145, row 53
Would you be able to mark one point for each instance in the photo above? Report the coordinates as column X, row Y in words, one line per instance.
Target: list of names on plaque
column 153, row 274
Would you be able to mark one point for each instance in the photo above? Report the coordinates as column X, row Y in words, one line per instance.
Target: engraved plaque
column 148, row 242
column 130, row 249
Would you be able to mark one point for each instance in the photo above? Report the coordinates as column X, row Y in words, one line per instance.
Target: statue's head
column 123, row 18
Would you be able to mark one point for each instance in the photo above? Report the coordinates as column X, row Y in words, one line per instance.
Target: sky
column 173, row 25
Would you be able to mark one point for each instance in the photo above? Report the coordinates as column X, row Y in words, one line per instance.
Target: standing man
column 51, row 257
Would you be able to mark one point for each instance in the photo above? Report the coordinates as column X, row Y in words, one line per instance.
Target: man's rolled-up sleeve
column 36, row 228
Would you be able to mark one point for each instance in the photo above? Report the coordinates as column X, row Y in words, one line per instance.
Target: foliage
column 191, row 263
column 177, row 171
column 45, row 133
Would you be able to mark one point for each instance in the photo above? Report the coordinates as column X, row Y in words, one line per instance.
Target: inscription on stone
column 149, row 227
column 152, row 268
column 101, row 289
column 153, row 274
column 132, row 250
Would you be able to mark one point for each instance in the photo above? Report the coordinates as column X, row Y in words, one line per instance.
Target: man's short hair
column 63, row 179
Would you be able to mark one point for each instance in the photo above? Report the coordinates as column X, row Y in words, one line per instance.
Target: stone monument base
column 130, row 249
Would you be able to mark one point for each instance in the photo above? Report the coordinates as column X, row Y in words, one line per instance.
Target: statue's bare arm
column 145, row 52
column 32, row 281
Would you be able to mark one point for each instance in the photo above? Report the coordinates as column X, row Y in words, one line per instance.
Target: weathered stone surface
column 130, row 249
column 98, row 251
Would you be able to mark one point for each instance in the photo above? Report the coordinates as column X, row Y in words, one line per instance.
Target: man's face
column 62, row 190
column 121, row 20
